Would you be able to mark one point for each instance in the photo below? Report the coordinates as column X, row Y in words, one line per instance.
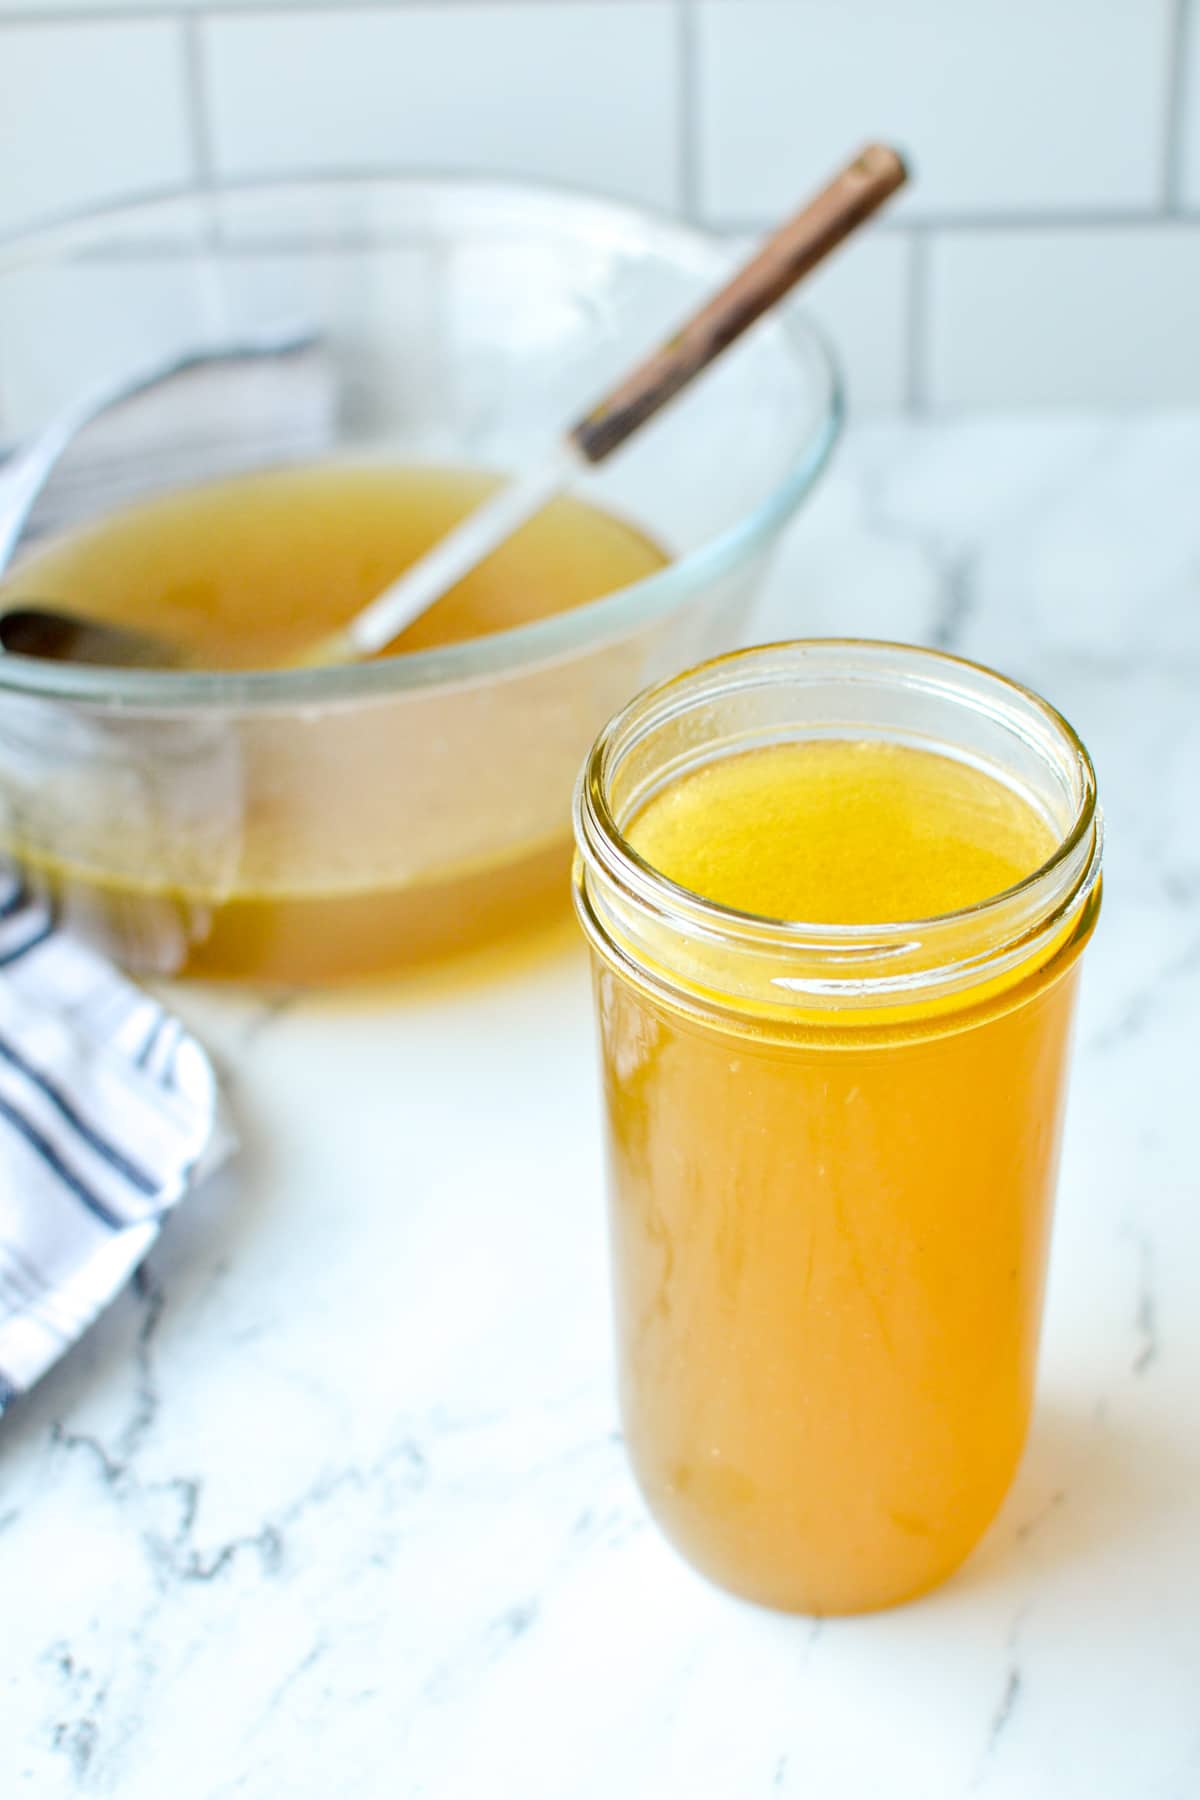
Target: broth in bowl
column 242, row 575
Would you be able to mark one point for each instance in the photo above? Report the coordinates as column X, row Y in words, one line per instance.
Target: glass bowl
column 309, row 825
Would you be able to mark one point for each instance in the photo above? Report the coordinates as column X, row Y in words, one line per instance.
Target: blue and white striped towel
column 108, row 1113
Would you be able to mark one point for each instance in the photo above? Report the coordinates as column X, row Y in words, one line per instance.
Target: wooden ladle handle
column 787, row 255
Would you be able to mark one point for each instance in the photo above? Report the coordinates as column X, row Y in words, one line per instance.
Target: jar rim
column 857, row 957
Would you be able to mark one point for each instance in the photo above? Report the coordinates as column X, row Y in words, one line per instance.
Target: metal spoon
column 24, row 475
column 291, row 414
column 62, row 636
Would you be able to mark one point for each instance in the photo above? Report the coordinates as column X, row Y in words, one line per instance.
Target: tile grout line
column 916, row 395
column 688, row 96
column 24, row 17
column 1125, row 218
column 116, row 13
column 1176, row 110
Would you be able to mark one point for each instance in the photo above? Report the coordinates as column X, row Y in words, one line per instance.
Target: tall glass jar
column 832, row 1148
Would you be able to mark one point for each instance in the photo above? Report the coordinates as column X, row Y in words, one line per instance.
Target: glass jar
column 832, row 1148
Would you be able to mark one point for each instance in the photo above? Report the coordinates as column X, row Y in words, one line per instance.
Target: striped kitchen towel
column 109, row 1111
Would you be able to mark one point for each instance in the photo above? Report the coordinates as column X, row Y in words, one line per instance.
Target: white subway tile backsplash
column 1095, row 316
column 38, row 10
column 584, row 92
column 1189, row 170
column 113, row 10
column 1051, row 141
column 1002, row 104
column 861, row 299
column 88, row 113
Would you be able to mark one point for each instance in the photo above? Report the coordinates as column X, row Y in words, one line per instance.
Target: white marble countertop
column 333, row 1502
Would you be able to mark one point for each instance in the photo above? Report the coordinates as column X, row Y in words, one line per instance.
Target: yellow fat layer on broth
column 841, row 832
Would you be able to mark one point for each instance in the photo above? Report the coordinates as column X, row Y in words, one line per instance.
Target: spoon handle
column 788, row 254
column 452, row 557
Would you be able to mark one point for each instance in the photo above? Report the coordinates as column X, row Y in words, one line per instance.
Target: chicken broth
column 244, row 575
column 829, row 1224
column 248, row 573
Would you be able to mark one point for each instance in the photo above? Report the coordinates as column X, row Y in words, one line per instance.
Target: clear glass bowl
column 319, row 823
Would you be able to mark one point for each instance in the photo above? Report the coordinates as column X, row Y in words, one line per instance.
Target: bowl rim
column 518, row 648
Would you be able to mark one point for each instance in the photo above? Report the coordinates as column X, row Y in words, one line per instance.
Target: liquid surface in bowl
column 247, row 573
column 829, row 1245
column 303, row 845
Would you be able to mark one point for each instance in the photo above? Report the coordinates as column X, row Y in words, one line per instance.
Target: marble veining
column 333, row 1501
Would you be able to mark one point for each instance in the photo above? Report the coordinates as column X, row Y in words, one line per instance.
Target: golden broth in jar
column 832, row 1146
